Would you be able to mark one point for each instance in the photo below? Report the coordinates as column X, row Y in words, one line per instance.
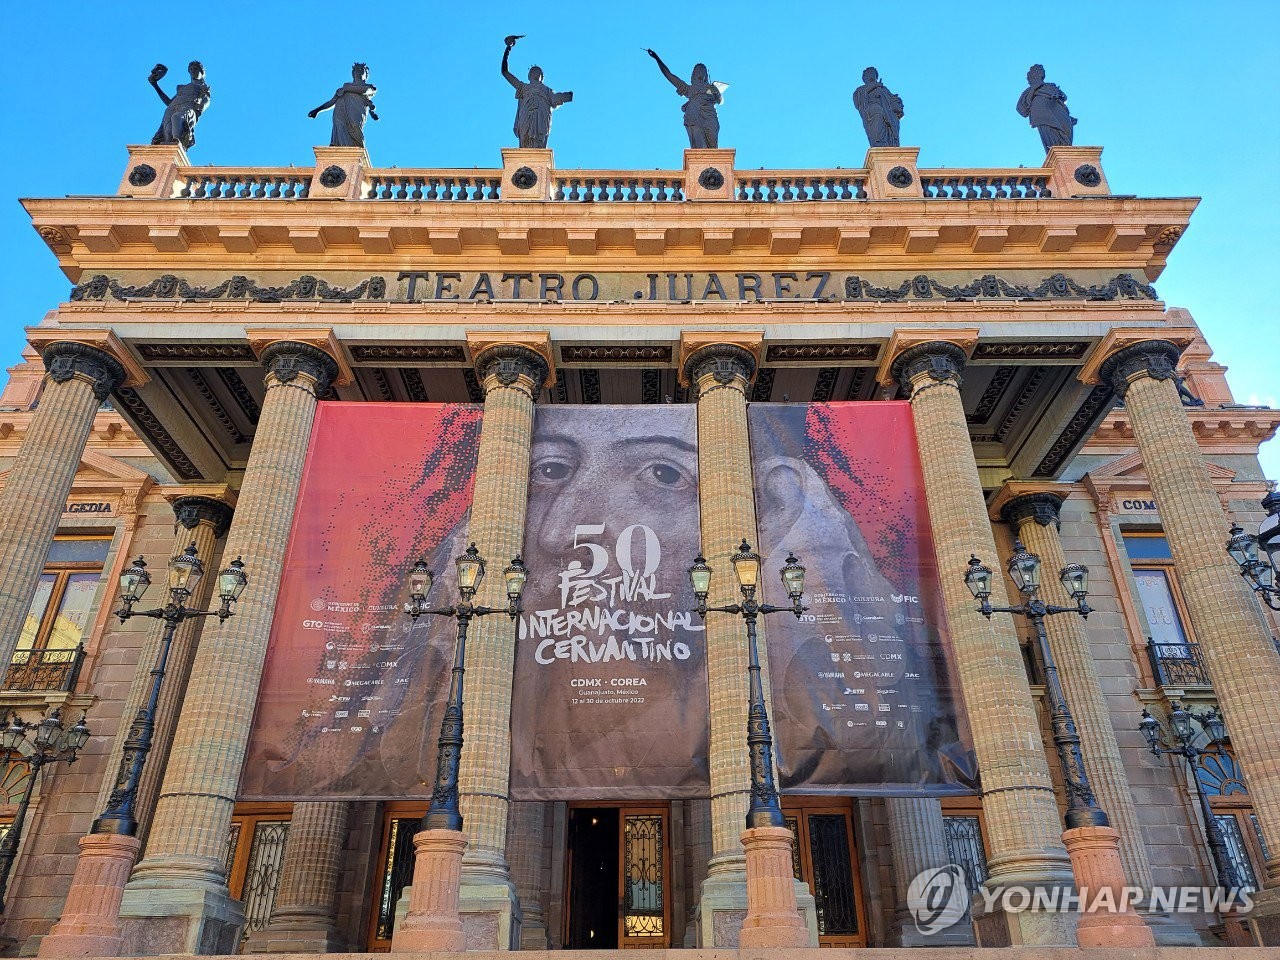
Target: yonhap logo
column 938, row 898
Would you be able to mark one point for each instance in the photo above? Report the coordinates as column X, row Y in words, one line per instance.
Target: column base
column 301, row 934
column 722, row 905
column 491, row 915
column 90, row 924
column 773, row 917
column 159, row 917
column 533, row 932
column 432, row 922
column 1095, row 860
column 1172, row 930
column 1263, row 921
column 909, row 935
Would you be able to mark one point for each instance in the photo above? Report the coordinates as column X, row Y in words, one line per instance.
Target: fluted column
column 183, row 874
column 77, row 379
column 1035, row 518
column 202, row 521
column 303, row 916
column 526, row 840
column 1233, row 634
column 512, row 375
column 918, row 842
column 697, row 847
column 1018, row 798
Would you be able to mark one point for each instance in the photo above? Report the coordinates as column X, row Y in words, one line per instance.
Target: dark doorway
column 593, row 879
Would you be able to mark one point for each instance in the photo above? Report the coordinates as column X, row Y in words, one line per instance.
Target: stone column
column 526, row 840
column 303, row 916
column 720, row 372
column 918, row 841
column 697, row 853
column 1233, row 633
column 77, row 379
column 201, row 520
column 1034, row 516
column 512, row 375
column 177, row 900
column 1018, row 797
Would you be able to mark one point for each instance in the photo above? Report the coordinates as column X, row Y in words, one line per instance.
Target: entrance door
column 617, row 878
column 824, row 857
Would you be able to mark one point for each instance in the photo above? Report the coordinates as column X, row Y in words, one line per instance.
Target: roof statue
column 1045, row 107
column 536, row 101
column 350, row 103
column 879, row 108
column 183, row 110
column 701, row 96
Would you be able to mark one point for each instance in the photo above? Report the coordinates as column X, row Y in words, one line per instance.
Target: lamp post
column 444, row 814
column 185, row 573
column 432, row 922
column 1092, row 843
column 1184, row 736
column 52, row 742
column 1024, row 570
column 1243, row 548
column 773, row 916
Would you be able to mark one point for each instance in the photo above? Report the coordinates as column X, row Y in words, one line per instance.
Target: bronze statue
column 1045, row 107
column 183, row 110
column 537, row 100
column 350, row 103
column 701, row 96
column 879, row 108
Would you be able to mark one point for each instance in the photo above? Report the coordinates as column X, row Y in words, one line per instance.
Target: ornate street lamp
column 764, row 811
column 1243, row 549
column 1024, row 569
column 1184, row 736
column 52, row 742
column 185, row 573
column 444, row 813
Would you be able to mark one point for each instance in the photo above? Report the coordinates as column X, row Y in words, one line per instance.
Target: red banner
column 350, row 700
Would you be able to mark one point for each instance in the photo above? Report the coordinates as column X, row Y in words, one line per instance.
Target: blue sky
column 1183, row 96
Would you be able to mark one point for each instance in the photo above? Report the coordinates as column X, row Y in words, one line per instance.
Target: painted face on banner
column 610, row 676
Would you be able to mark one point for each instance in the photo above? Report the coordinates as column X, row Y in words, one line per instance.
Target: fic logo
column 938, row 898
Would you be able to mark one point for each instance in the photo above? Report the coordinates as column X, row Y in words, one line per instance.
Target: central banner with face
column 610, row 694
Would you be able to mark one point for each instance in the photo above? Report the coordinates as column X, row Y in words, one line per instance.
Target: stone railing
column 242, row 183
column 344, row 173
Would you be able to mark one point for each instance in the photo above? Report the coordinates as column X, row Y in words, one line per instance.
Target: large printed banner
column 610, row 698
column 863, row 700
column 351, row 686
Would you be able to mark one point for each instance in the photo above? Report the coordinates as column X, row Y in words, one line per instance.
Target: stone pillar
column 1233, row 634
column 78, row 378
column 526, row 840
column 303, row 915
column 918, row 841
column 177, row 900
column 202, row 520
column 1034, row 516
column 512, row 375
column 1018, row 797
column 697, row 853
column 720, row 373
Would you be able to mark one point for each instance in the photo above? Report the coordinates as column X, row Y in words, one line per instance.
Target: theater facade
column 330, row 372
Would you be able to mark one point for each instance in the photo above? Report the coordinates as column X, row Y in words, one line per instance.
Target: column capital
column 1118, row 338
column 510, row 363
column 1018, row 499
column 1157, row 359
column 722, row 356
column 96, row 356
column 190, row 510
column 939, row 360
column 902, row 342
column 285, row 359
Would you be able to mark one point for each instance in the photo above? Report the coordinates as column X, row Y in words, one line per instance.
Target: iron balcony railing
column 44, row 669
column 1177, row 664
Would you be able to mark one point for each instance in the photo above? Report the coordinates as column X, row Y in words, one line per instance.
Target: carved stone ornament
column 239, row 287
column 142, row 174
column 1158, row 359
column 189, row 511
column 1087, row 175
column 64, row 361
column 1169, row 236
column 52, row 236
column 524, row 178
column 507, row 362
column 1043, row 508
column 333, row 176
column 724, row 362
column 287, row 359
column 900, row 177
column 711, row 179
column 942, row 361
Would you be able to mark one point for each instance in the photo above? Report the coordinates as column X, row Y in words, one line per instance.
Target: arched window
column 1223, row 784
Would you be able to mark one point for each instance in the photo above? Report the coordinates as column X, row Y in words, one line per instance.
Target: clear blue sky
column 1184, row 97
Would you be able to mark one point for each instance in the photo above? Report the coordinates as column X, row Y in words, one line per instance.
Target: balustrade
column 985, row 184
column 253, row 183
column 786, row 186
column 579, row 186
column 434, row 185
